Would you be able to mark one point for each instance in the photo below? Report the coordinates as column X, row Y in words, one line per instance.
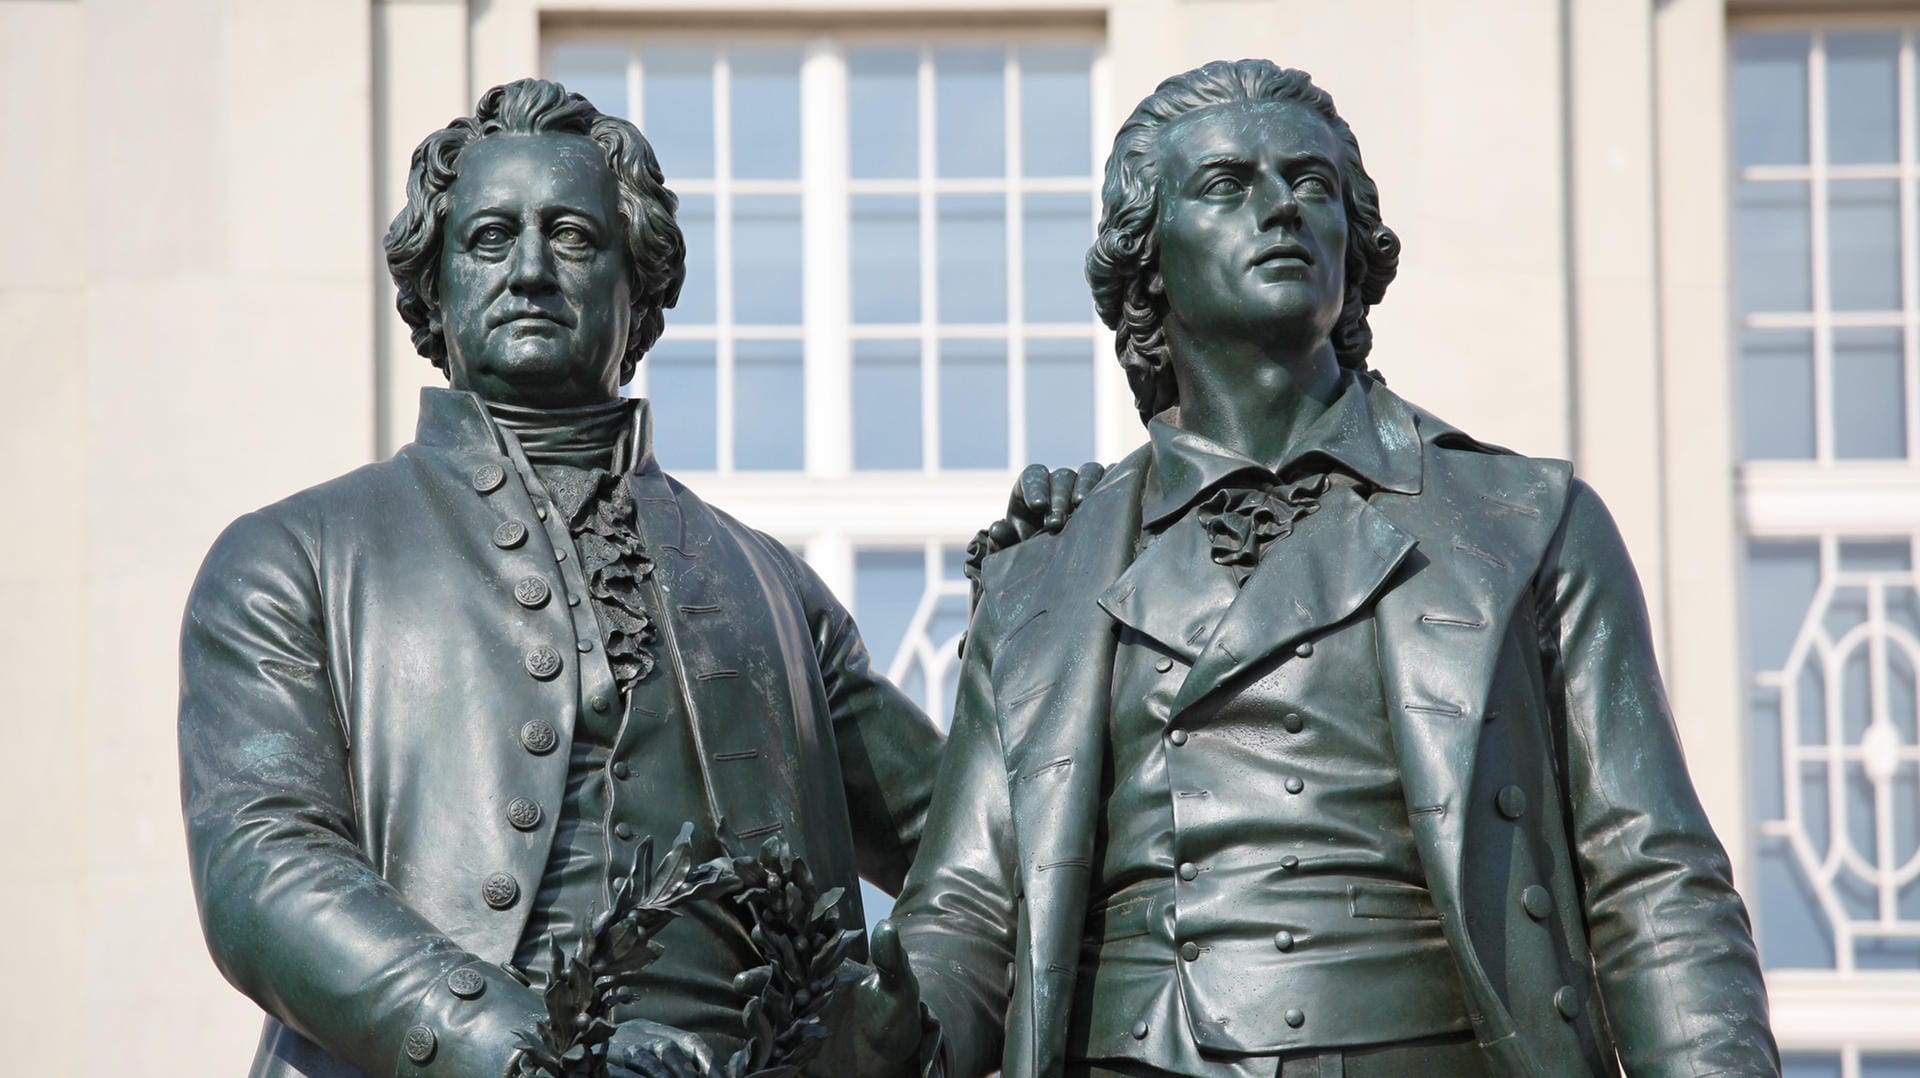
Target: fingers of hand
column 1059, row 497
column 1090, row 475
column 1036, row 493
column 1002, row 534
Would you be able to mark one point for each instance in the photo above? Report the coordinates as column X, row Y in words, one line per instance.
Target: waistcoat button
column 543, row 662
column 1189, row 871
column 1511, row 801
column 532, row 592
column 1295, row 1017
column 1537, row 902
column 1190, row 951
column 467, row 982
column 538, row 737
column 1566, row 1003
column 621, row 770
column 523, row 814
column 1164, row 664
column 1140, row 1030
column 500, row 891
column 1294, row 785
column 1283, row 940
column 1178, row 737
column 1303, row 649
column 420, row 1043
column 509, row 534
column 487, row 479
column 1289, row 862
column 1293, row 722
column 624, row 830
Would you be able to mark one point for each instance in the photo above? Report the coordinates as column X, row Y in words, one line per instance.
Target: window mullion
column 826, row 261
column 1017, row 403
column 929, row 267
column 723, row 258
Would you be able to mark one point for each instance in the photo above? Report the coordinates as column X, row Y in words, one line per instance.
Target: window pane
column 769, row 407
column 1770, row 99
column 766, row 113
column 886, row 405
column 766, row 260
column 886, row 258
column 1773, row 247
column 1810, row 1066
column 1863, row 88
column 1889, row 1066
column 677, row 100
column 887, row 585
column 973, row 404
column 970, row 111
column 883, row 125
column 1781, row 578
column 681, row 388
column 1776, row 395
column 1059, row 402
column 703, row 259
column 1056, row 111
column 1869, row 394
column 1058, row 231
column 972, row 246
column 595, row 72
column 1864, row 231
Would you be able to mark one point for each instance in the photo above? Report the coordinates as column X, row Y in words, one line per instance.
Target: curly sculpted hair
column 1124, row 264
column 656, row 252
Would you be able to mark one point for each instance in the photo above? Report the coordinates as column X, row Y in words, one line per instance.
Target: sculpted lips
column 523, row 313
column 1282, row 251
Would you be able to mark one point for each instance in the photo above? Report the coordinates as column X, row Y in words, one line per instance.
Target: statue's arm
column 1670, row 937
column 888, row 748
column 294, row 915
column 958, row 913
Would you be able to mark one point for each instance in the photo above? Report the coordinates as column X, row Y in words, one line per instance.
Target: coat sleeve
column 294, row 914
column 1670, row 938
column 959, row 910
column 888, row 748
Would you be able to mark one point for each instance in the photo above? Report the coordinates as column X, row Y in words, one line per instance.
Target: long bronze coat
column 355, row 693
column 1514, row 651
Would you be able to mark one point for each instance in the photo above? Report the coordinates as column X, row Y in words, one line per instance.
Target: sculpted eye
column 1313, row 184
column 1223, row 185
column 572, row 235
column 492, row 235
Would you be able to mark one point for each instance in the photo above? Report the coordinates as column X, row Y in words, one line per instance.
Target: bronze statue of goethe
column 430, row 709
column 1324, row 738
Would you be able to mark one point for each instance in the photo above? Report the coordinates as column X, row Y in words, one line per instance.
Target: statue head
column 537, row 248
column 1222, row 104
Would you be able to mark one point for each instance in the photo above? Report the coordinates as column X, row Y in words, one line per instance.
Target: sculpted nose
column 532, row 268
column 1278, row 206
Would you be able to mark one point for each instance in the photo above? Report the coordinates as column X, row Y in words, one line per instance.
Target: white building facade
column 1677, row 241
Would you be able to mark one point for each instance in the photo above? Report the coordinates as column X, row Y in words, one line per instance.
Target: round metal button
column 1293, row 722
column 1295, row 1017
column 601, row 704
column 1303, row 649
column 1537, row 902
column 1511, row 801
column 1289, row 862
column 541, row 512
column 1178, row 737
column 467, row 982
column 1566, row 1002
column 1140, row 1030
column 1190, row 951
column 500, row 891
column 624, row 830
column 510, row 534
column 584, row 645
column 573, row 600
column 1294, row 785
column 1189, row 871
column 1283, row 940
column 538, row 736
column 1165, row 664
column 420, row 1043
column 621, row 770
column 560, row 555
column 532, row 592
column 542, row 661
column 487, row 479
column 523, row 814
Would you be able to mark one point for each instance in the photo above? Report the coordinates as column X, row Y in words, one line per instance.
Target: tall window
column 1828, row 329
column 885, row 314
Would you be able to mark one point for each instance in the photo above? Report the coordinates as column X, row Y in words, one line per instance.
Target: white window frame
column 1846, row 1011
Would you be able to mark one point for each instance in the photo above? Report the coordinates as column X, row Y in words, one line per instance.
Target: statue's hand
column 643, row 1049
column 1042, row 501
column 886, row 1009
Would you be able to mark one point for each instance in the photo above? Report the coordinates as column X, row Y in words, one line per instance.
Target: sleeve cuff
column 468, row 1024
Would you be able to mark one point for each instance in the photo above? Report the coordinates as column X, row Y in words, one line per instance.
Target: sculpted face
column 1253, row 234
column 534, row 286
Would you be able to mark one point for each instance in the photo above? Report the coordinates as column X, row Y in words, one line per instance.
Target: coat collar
column 1367, row 432
column 458, row 419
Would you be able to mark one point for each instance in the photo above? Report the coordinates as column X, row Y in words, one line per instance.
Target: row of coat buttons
column 1537, row 901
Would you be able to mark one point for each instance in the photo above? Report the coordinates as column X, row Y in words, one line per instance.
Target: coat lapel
column 1334, row 562
column 1053, row 682
column 1483, row 523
